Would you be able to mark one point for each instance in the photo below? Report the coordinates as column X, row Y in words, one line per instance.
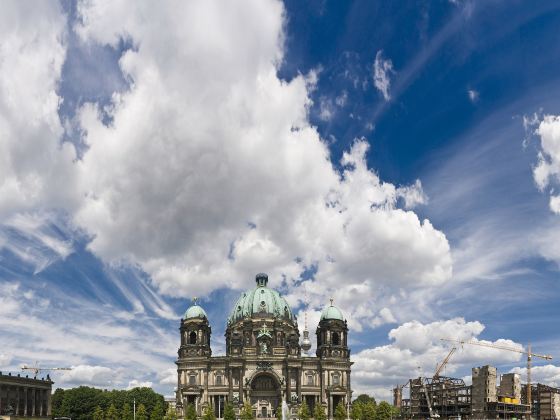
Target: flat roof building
column 23, row 397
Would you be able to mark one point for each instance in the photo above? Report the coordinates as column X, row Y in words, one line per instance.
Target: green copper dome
column 332, row 312
column 195, row 311
column 261, row 302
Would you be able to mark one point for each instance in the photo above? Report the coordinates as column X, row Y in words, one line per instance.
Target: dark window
column 336, row 379
column 192, row 338
column 335, row 339
column 218, row 379
column 192, row 379
column 310, row 380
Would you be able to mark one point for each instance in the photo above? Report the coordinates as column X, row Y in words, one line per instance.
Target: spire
column 306, row 342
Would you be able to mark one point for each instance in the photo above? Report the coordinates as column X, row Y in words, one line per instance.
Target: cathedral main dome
column 261, row 302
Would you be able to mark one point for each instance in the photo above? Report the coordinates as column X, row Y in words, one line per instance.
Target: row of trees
column 87, row 403
column 363, row 408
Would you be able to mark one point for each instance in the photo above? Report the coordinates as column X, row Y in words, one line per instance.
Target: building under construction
column 451, row 398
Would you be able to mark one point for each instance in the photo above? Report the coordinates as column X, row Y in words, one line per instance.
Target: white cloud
column 555, row 203
column 547, row 374
column 547, row 172
column 88, row 375
column 168, row 377
column 342, row 99
column 205, row 176
column 416, row 349
column 139, row 384
column 473, row 95
column 220, row 150
column 382, row 70
column 413, row 195
column 326, row 109
column 35, row 168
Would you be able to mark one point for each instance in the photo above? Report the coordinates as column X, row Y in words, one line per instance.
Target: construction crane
column 528, row 352
column 440, row 367
column 36, row 369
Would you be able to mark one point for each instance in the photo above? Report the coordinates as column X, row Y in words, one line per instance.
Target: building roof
column 332, row 312
column 195, row 311
column 261, row 301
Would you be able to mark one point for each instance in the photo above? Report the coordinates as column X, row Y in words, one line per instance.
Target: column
column 49, row 403
column 241, row 399
column 1, row 391
column 298, row 384
column 33, row 396
column 25, row 404
column 230, row 385
column 288, row 386
column 330, row 407
column 18, row 401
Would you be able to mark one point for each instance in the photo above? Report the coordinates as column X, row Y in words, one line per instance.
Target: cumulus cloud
column 207, row 169
column 226, row 174
column 413, row 195
column 35, row 167
column 547, row 172
column 416, row 349
column 382, row 71
column 547, row 374
column 88, row 375
column 139, row 384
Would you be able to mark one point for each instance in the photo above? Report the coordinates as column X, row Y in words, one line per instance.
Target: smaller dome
column 332, row 312
column 195, row 311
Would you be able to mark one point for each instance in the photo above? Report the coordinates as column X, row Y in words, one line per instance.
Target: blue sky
column 401, row 158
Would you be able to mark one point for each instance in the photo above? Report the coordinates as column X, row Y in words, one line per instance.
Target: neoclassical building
column 264, row 363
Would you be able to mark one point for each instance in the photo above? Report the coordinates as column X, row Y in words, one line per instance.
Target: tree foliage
column 171, row 414
column 340, row 412
column 384, row 411
column 363, row 408
column 112, row 413
column 208, row 414
column 303, row 412
column 247, row 412
column 190, row 412
column 229, row 412
column 80, row 403
column 319, row 412
column 98, row 414
column 157, row 412
column 141, row 412
column 126, row 413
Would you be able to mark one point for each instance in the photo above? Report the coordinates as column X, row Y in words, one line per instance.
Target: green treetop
column 340, row 412
column 171, row 414
column 208, row 414
column 127, row 412
column 98, row 414
column 141, row 413
column 303, row 412
column 112, row 413
column 247, row 412
column 157, row 412
column 319, row 412
column 384, row 411
column 229, row 412
column 190, row 412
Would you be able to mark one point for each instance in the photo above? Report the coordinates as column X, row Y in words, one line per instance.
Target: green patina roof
column 261, row 301
column 332, row 312
column 195, row 311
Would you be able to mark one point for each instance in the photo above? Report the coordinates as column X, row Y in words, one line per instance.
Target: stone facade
column 23, row 397
column 264, row 364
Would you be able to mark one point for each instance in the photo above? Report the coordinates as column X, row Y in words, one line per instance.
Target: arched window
column 192, row 337
column 335, row 339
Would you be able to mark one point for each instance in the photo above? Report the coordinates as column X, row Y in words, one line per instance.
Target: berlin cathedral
column 265, row 361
